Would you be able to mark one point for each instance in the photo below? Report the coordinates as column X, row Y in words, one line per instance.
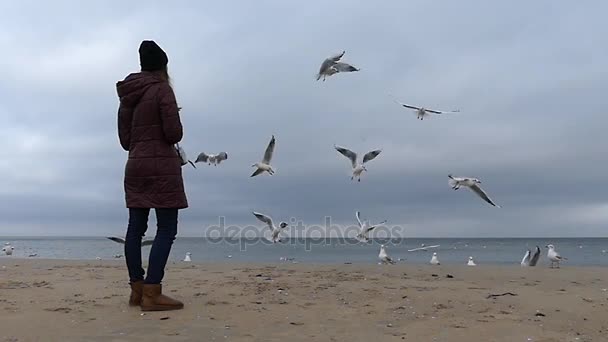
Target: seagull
column 553, row 256
column 122, row 241
column 183, row 156
column 210, row 159
column 187, row 258
column 332, row 65
column 264, row 165
column 435, row 260
column 357, row 168
column 365, row 228
column 471, row 183
column 384, row 258
column 529, row 259
column 8, row 249
column 422, row 247
column 471, row 262
column 422, row 112
column 274, row 231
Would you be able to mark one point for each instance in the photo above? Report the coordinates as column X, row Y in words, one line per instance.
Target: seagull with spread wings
column 274, row 230
column 264, row 165
column 122, row 241
column 423, row 112
column 365, row 228
column 332, row 65
column 357, row 168
column 211, row 159
column 471, row 183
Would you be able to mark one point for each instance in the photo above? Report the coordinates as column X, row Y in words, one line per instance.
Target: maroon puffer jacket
column 148, row 127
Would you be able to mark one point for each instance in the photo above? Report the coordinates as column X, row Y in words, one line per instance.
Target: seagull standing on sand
column 471, row 262
column 383, row 256
column 357, row 168
column 264, row 165
column 332, row 65
column 529, row 259
column 211, row 159
column 471, row 183
column 183, row 156
column 274, row 231
column 423, row 112
column 554, row 257
column 365, row 228
column 122, row 241
column 187, row 258
column 435, row 260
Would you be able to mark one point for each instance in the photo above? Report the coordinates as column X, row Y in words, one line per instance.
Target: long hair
column 164, row 74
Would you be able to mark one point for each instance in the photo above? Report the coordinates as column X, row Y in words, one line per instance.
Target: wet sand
column 59, row 300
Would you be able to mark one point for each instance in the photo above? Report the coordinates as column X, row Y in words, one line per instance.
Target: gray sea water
column 579, row 251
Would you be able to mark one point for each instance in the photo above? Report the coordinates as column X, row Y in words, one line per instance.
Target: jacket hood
column 133, row 87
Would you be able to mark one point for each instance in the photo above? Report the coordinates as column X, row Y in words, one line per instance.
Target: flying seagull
column 210, row 159
column 384, row 258
column 332, row 65
column 423, row 247
column 264, row 165
column 122, row 241
column 365, row 227
column 422, row 112
column 274, row 231
column 357, row 168
column 529, row 259
column 554, row 257
column 183, row 156
column 471, row 183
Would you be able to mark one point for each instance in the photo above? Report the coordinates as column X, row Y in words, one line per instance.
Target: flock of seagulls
column 530, row 259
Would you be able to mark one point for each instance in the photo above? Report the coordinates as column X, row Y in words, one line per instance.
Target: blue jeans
column 159, row 254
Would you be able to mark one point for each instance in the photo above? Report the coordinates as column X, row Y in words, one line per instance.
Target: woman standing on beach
column 148, row 127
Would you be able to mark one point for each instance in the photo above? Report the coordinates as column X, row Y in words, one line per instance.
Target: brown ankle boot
column 137, row 288
column 154, row 300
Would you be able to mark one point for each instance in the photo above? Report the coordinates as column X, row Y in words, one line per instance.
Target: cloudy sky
column 530, row 78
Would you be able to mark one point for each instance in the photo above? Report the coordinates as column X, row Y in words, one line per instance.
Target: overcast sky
column 530, row 79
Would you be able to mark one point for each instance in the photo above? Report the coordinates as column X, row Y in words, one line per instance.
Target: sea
column 486, row 251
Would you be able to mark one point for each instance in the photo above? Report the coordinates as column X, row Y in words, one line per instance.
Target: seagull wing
column 370, row 228
column 441, row 111
column 536, row 256
column 202, row 157
column 348, row 154
column 370, row 155
column 147, row 243
column 358, row 215
column 269, row 151
column 264, row 219
column 337, row 57
column 117, row 239
column 526, row 260
column 256, row 172
column 482, row 194
column 221, row 157
column 344, row 67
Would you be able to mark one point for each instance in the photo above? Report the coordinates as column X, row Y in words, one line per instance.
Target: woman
column 148, row 127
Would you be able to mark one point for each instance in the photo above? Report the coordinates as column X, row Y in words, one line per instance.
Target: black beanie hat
column 151, row 56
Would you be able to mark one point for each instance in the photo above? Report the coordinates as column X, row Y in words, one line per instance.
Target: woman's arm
column 125, row 117
column 169, row 113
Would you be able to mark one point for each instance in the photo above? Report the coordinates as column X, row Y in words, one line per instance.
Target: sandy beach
column 59, row 300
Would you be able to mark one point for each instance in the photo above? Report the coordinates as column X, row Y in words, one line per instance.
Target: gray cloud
column 529, row 78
